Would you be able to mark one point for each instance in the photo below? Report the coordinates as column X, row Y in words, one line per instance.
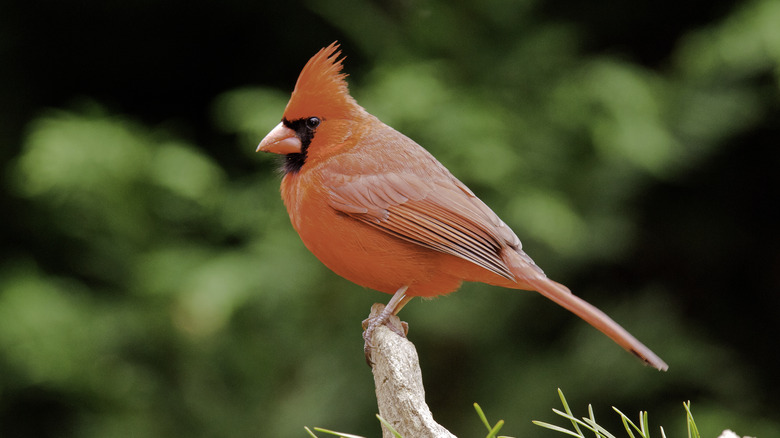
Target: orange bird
column 382, row 212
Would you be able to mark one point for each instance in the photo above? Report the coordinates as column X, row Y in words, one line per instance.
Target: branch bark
column 400, row 393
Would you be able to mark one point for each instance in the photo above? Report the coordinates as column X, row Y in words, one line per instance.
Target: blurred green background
column 151, row 284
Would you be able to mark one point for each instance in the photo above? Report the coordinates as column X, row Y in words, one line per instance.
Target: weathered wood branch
column 399, row 387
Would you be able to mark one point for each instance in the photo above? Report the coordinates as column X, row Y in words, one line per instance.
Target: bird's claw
column 379, row 317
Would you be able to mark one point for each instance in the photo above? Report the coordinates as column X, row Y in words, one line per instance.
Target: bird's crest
column 321, row 89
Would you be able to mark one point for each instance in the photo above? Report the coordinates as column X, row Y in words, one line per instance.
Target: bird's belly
column 375, row 259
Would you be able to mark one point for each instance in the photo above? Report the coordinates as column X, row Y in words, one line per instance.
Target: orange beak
column 281, row 140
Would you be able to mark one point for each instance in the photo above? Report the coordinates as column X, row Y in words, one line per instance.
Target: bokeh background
column 151, row 285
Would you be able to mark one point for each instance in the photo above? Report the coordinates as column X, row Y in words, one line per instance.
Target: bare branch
column 399, row 388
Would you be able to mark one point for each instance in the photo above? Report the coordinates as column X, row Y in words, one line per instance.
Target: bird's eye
column 312, row 122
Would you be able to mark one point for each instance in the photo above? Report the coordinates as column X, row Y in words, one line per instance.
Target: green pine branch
column 589, row 423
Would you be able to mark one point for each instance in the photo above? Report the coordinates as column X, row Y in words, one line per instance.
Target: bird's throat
column 294, row 162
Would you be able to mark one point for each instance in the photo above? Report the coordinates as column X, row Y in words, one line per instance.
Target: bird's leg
column 396, row 303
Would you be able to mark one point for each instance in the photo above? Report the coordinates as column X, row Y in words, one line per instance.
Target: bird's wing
column 440, row 214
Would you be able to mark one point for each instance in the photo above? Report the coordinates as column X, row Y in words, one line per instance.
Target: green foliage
column 492, row 430
column 590, row 423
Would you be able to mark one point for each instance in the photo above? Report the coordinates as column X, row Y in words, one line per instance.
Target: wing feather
column 441, row 215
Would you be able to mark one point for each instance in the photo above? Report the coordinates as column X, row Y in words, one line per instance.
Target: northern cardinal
column 382, row 212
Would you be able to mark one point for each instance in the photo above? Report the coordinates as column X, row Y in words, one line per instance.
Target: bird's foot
column 380, row 315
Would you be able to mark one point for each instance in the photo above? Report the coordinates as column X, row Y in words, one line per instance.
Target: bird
column 379, row 210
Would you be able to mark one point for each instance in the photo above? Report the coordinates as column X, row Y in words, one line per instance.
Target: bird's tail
column 593, row 316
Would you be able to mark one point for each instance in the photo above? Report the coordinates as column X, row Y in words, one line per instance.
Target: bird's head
column 318, row 113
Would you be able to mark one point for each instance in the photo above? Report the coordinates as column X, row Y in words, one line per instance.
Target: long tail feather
column 593, row 316
column 598, row 319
